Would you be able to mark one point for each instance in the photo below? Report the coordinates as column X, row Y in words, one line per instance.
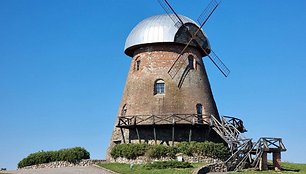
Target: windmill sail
column 171, row 13
column 219, row 64
column 194, row 38
column 177, row 65
column 209, row 10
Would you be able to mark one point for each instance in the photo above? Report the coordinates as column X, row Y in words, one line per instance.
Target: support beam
column 190, row 134
column 122, row 134
column 264, row 162
column 154, row 132
column 173, row 133
column 277, row 161
column 137, row 132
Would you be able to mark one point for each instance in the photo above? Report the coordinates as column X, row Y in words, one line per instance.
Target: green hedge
column 167, row 164
column 158, row 151
column 72, row 155
column 131, row 151
column 214, row 150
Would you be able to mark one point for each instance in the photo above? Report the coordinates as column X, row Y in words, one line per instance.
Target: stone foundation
column 143, row 160
column 214, row 167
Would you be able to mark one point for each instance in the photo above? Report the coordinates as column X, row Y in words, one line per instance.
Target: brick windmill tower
column 167, row 97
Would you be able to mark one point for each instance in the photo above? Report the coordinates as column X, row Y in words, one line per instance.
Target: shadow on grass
column 290, row 170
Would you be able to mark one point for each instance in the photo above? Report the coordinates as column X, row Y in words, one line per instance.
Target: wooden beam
column 122, row 134
column 190, row 134
column 277, row 161
column 264, row 162
column 137, row 132
column 173, row 133
column 154, row 132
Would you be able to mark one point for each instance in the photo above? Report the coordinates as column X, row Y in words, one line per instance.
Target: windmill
column 168, row 99
column 195, row 38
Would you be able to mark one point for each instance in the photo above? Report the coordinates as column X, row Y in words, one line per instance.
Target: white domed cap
column 155, row 29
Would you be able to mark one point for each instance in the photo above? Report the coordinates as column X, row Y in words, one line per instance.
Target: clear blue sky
column 63, row 70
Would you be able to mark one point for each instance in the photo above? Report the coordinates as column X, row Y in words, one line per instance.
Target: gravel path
column 64, row 170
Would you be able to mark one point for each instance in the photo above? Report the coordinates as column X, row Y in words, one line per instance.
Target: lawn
column 139, row 169
column 291, row 168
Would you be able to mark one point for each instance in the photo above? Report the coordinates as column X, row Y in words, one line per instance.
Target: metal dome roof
column 155, row 29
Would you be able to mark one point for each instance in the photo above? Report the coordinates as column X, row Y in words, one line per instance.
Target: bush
column 72, row 155
column 129, row 151
column 214, row 150
column 132, row 151
column 167, row 164
column 158, row 151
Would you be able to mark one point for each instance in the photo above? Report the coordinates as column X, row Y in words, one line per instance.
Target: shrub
column 158, row 151
column 72, row 155
column 214, row 150
column 132, row 151
column 129, row 151
column 167, row 164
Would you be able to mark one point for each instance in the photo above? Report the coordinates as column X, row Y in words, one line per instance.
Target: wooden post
column 122, row 134
column 173, row 129
column 137, row 132
column 173, row 135
column 277, row 161
column 154, row 131
column 264, row 161
column 190, row 134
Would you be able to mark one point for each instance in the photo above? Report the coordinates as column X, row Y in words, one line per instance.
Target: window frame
column 191, row 62
column 137, row 63
column 159, row 87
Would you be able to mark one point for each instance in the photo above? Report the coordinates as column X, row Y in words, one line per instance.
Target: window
column 123, row 110
column 191, row 62
column 199, row 112
column 159, row 87
column 199, row 109
column 137, row 64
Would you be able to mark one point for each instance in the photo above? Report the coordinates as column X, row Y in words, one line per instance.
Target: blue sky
column 63, row 70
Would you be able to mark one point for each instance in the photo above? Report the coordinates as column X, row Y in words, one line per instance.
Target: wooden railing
column 167, row 119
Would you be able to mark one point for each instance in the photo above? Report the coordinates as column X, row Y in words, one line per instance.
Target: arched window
column 159, row 87
column 191, row 62
column 137, row 64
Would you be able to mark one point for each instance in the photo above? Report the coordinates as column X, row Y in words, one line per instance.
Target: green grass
column 139, row 169
column 291, row 168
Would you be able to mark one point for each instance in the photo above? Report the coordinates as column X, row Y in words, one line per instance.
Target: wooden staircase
column 245, row 153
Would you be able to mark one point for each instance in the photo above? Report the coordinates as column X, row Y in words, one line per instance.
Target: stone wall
column 143, row 160
column 58, row 164
column 213, row 167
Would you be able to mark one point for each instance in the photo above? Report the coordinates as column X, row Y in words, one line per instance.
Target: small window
column 199, row 109
column 199, row 112
column 124, row 109
column 137, row 64
column 191, row 62
column 159, row 87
